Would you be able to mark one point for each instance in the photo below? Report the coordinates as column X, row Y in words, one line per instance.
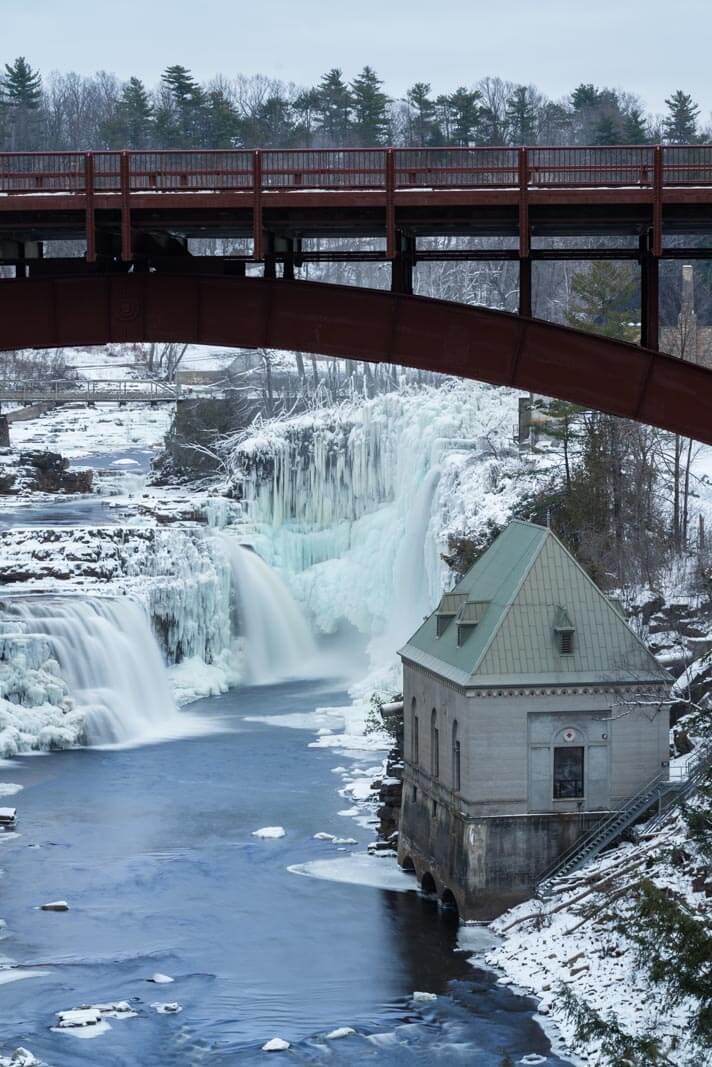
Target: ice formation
column 89, row 668
column 107, row 654
column 355, row 505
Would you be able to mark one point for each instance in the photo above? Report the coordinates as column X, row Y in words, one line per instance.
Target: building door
column 568, row 762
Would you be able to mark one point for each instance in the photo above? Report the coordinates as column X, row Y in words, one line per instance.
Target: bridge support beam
column 649, row 296
column 402, row 264
column 525, row 286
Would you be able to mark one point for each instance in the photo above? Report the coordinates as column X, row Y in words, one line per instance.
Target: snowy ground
column 81, row 431
column 577, row 939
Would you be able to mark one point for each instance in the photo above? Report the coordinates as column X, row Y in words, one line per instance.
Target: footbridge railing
column 95, row 391
column 248, row 170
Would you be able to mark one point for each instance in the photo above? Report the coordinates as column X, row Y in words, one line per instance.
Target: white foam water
column 278, row 641
column 110, row 659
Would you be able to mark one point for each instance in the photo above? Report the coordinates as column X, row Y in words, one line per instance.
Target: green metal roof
column 509, row 607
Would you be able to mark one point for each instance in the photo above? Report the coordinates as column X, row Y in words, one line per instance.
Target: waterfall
column 357, row 504
column 277, row 639
column 111, row 661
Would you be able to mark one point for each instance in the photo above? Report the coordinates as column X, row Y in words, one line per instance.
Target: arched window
column 434, row 745
column 455, row 758
column 415, row 737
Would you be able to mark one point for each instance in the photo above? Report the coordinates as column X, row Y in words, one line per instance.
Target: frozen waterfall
column 277, row 639
column 357, row 504
column 111, row 661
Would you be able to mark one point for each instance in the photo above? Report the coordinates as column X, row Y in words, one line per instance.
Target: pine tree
column 605, row 130
column 21, row 85
column 603, row 300
column 333, row 110
column 273, row 120
column 421, row 110
column 20, row 104
column 371, row 125
column 135, row 115
column 635, row 130
column 680, row 125
column 585, row 96
column 306, row 107
column 465, row 111
column 521, row 117
column 221, row 120
column 181, row 118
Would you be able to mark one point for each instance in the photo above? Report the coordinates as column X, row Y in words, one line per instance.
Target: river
column 152, row 848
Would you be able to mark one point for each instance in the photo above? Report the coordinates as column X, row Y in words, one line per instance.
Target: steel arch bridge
column 362, row 324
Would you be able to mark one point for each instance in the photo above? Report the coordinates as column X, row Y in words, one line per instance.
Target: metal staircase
column 665, row 791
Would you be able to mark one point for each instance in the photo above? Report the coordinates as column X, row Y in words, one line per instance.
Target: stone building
column 531, row 708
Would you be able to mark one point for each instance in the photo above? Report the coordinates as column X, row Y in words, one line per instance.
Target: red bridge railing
column 236, row 170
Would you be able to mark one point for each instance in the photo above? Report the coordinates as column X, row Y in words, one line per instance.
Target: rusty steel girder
column 362, row 324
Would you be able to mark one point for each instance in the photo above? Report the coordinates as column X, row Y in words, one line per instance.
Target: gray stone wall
column 489, row 842
column 625, row 736
column 488, row 864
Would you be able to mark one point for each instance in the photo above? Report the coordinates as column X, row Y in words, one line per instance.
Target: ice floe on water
column 160, row 979
column 268, row 832
column 18, row 974
column 9, row 789
column 341, row 1031
column 358, row 868
column 276, row 1044
column 171, row 1008
column 331, row 718
column 421, row 997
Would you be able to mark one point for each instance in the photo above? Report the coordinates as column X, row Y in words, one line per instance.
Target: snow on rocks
column 90, row 1020
column 78, row 1017
column 578, row 940
column 420, row 997
column 269, row 832
column 276, row 1044
column 21, row 1057
column 160, row 979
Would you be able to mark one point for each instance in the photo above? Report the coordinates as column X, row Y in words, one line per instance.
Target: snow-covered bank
column 580, row 952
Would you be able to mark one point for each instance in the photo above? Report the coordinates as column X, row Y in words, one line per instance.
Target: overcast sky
column 650, row 47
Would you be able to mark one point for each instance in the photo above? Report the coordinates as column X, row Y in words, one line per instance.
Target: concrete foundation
column 487, row 863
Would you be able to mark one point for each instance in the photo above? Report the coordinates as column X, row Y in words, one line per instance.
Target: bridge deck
column 274, row 196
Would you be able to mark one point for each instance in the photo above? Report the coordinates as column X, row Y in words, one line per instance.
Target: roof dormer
column 565, row 631
column 470, row 615
column 449, row 606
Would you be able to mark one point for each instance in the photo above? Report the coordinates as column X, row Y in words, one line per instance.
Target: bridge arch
column 361, row 324
column 449, row 903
